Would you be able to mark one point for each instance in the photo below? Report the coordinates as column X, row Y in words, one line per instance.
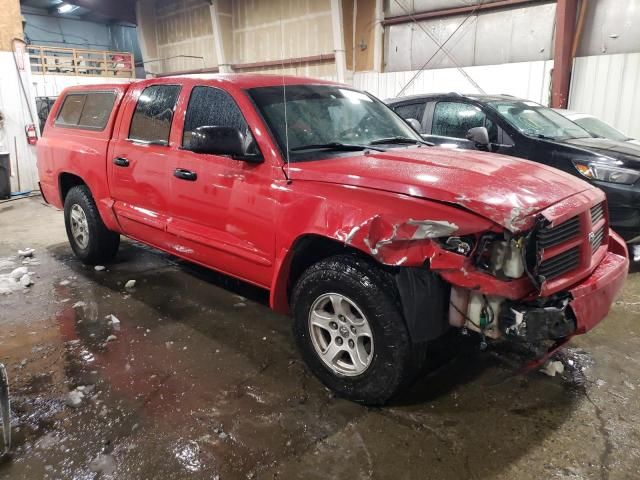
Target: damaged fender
column 394, row 229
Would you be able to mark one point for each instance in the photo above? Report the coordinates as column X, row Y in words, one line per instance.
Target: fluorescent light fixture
column 67, row 8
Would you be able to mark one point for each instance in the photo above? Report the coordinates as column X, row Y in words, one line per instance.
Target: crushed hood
column 506, row 190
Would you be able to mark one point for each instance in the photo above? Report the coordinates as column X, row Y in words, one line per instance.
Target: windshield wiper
column 546, row 137
column 344, row 147
column 400, row 140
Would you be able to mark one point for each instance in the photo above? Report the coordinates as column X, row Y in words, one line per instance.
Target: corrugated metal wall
column 526, row 79
column 607, row 86
column 494, row 37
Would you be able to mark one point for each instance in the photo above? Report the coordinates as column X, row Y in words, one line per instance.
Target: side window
column 89, row 110
column 97, row 109
column 211, row 107
column 454, row 119
column 71, row 109
column 153, row 115
column 412, row 110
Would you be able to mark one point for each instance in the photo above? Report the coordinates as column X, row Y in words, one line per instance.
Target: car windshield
column 598, row 128
column 328, row 118
column 538, row 121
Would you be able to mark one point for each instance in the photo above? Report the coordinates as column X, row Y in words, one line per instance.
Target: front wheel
column 90, row 239
column 350, row 330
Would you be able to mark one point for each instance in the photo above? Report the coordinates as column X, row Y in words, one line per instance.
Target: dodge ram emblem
column 592, row 236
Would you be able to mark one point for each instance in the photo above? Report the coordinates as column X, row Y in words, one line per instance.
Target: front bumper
column 592, row 298
column 575, row 310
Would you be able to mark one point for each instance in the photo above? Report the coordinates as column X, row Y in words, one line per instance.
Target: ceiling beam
column 458, row 11
column 120, row 10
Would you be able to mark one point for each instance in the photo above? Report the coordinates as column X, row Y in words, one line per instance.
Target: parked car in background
column 374, row 241
column 520, row 128
column 596, row 127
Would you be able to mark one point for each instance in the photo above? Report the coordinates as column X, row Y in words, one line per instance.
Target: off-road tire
column 395, row 361
column 102, row 243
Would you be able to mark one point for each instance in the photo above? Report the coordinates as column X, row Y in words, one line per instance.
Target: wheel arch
column 67, row 180
column 307, row 249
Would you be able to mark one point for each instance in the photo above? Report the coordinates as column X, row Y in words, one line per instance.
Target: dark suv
column 512, row 126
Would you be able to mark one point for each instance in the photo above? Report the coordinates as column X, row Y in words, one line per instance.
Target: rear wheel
column 90, row 239
column 350, row 330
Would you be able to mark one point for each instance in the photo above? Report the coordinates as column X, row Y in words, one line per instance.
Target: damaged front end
column 499, row 283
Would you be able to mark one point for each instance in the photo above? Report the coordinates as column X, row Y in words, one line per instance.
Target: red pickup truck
column 375, row 241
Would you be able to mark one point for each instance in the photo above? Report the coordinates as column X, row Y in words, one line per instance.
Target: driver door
column 222, row 209
column 450, row 122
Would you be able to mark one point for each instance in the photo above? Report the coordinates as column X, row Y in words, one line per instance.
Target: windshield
column 323, row 118
column 598, row 128
column 538, row 121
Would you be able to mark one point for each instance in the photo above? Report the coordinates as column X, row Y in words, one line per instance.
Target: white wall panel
column 528, row 80
column 15, row 110
column 607, row 86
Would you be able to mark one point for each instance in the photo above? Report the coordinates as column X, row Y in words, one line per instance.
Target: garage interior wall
column 43, row 29
column 179, row 35
column 15, row 106
column 510, row 50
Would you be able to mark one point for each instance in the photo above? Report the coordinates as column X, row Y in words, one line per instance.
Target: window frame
column 84, row 93
column 162, row 143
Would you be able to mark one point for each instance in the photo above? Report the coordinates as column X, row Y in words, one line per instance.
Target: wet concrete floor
column 202, row 380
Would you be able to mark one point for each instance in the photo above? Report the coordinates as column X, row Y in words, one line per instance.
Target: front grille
column 597, row 213
column 560, row 264
column 578, row 240
column 549, row 237
column 596, row 239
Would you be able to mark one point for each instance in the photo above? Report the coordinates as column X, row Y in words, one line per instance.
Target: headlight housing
column 503, row 259
column 607, row 173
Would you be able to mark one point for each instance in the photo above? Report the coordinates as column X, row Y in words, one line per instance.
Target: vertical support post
column 378, row 32
column 223, row 64
column 338, row 40
column 562, row 52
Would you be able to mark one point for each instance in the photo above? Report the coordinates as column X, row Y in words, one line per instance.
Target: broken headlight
column 501, row 258
column 461, row 245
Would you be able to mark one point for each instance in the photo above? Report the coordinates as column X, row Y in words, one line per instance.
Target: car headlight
column 607, row 173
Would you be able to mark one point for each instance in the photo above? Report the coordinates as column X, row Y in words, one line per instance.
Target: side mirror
column 413, row 123
column 214, row 140
column 479, row 136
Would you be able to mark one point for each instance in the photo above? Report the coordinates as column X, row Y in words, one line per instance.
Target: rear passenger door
column 413, row 110
column 139, row 162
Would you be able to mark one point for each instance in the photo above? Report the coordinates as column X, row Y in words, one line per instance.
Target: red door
column 140, row 162
column 222, row 209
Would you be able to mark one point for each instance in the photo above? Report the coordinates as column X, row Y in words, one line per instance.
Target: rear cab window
column 153, row 115
column 86, row 110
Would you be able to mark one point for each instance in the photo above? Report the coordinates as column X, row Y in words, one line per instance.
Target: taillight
column 32, row 134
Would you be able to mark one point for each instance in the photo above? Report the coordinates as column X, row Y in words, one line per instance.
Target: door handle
column 183, row 174
column 121, row 162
